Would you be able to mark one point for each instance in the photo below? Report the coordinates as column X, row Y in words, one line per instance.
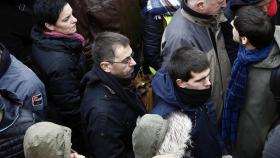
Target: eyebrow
column 128, row 56
column 202, row 78
column 69, row 15
column 66, row 18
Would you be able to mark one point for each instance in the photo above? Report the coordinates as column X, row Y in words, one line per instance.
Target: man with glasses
column 110, row 105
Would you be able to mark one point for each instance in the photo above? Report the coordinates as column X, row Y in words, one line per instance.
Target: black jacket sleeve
column 153, row 30
column 64, row 89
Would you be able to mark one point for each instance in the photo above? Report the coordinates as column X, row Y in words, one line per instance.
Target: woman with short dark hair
column 57, row 55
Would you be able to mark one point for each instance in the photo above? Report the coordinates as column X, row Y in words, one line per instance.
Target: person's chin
column 131, row 75
column 74, row 30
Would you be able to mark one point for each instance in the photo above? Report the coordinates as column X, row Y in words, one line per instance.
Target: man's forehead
column 203, row 73
column 121, row 51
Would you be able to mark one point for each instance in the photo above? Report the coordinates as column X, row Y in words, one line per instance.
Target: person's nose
column 224, row 5
column 207, row 83
column 74, row 20
column 231, row 23
column 132, row 62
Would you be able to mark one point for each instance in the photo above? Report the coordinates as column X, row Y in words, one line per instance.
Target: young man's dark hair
column 252, row 22
column 105, row 44
column 47, row 11
column 186, row 60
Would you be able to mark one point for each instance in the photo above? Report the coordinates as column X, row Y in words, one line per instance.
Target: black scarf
column 5, row 60
column 120, row 86
column 193, row 97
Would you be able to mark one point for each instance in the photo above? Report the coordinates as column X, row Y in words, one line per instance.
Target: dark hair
column 105, row 44
column 47, row 11
column 255, row 24
column 186, row 60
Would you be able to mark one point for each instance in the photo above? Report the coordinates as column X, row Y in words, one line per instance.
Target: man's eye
column 126, row 60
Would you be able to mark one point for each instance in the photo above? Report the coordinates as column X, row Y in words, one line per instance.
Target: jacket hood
column 90, row 77
column 47, row 140
column 154, row 135
column 55, row 43
column 273, row 59
column 163, row 87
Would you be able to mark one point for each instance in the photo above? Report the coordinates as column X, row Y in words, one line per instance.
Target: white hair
column 191, row 3
column 177, row 138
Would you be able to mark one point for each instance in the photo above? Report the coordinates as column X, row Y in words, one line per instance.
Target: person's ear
column 244, row 40
column 49, row 26
column 106, row 66
column 200, row 5
column 181, row 83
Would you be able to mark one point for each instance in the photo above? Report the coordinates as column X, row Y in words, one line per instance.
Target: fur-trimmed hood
column 154, row 135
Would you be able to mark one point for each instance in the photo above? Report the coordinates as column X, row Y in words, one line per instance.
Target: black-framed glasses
column 126, row 60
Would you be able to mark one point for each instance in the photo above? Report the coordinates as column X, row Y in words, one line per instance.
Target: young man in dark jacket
column 14, row 122
column 110, row 105
column 250, row 109
column 188, row 89
column 196, row 24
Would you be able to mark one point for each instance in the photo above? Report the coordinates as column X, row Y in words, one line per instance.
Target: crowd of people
column 68, row 86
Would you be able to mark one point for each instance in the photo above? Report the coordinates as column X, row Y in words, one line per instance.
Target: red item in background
column 272, row 8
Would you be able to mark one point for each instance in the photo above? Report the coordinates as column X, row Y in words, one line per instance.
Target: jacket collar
column 5, row 60
column 51, row 42
column 97, row 75
column 201, row 19
column 194, row 13
column 273, row 59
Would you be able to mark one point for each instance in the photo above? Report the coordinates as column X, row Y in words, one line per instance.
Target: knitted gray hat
column 149, row 135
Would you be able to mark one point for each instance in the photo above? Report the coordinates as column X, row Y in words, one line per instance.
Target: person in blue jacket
column 14, row 121
column 19, row 79
column 183, row 85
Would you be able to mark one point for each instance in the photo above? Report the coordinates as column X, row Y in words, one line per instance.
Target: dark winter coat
column 15, row 34
column 13, row 125
column 206, row 141
column 108, row 117
column 59, row 62
column 61, row 65
column 153, row 30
